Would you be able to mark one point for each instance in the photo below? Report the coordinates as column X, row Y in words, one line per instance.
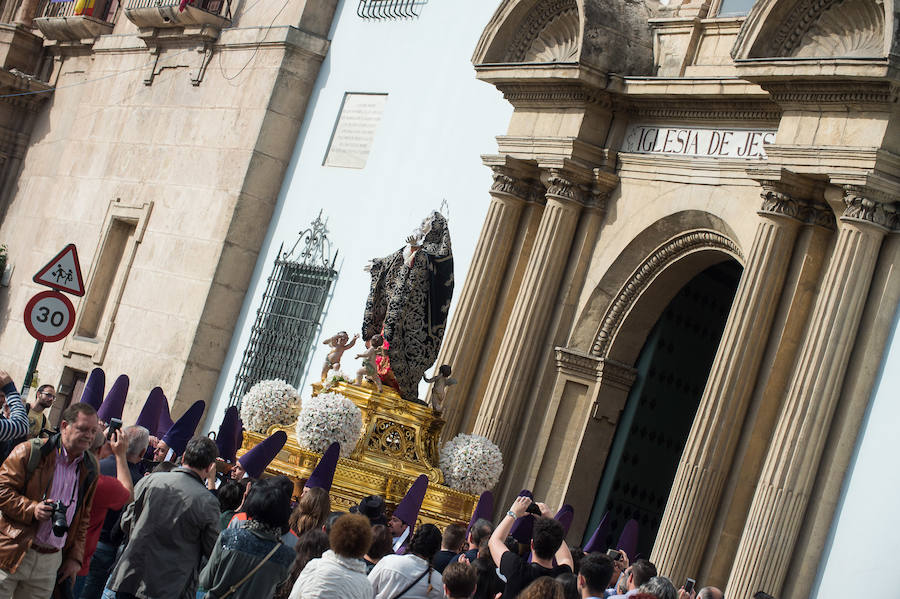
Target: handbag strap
column 237, row 585
column 413, row 583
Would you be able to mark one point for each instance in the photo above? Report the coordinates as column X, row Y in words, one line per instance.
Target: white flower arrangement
column 326, row 418
column 268, row 403
column 471, row 463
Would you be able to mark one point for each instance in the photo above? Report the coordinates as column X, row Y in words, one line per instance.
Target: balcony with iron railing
column 162, row 14
column 75, row 21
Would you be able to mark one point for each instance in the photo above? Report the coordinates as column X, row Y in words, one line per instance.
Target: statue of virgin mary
column 408, row 303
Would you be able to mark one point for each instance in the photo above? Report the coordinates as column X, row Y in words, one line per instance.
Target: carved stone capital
column 860, row 208
column 505, row 183
column 571, row 186
column 779, row 203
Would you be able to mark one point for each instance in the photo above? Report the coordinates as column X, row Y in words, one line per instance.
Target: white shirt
column 393, row 573
column 333, row 576
column 399, row 540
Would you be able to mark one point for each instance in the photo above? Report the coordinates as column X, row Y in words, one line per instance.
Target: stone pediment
column 821, row 29
column 611, row 36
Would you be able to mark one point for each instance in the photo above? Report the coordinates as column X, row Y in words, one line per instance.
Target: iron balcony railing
column 100, row 9
column 215, row 7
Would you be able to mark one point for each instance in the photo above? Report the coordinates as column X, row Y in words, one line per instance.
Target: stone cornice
column 871, row 94
column 699, row 110
column 555, row 95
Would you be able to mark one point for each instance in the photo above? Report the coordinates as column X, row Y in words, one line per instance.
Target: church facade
column 685, row 286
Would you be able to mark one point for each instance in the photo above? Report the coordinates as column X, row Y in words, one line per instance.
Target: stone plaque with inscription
column 698, row 141
column 354, row 131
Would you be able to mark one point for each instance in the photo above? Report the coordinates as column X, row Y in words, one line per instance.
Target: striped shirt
column 17, row 424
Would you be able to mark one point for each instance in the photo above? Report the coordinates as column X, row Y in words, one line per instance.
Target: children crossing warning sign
column 63, row 273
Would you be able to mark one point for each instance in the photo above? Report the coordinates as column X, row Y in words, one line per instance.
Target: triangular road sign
column 63, row 273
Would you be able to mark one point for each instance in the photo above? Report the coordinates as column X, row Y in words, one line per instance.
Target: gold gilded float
column 399, row 442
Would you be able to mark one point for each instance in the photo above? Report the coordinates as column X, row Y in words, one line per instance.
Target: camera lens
column 60, row 522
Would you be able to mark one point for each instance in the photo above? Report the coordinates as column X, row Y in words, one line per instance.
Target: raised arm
column 497, row 543
column 17, row 424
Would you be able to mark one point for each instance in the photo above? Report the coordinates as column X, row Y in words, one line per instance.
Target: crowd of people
column 99, row 510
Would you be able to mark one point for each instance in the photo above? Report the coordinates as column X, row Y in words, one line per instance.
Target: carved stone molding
column 845, row 29
column 831, row 93
column 862, row 208
column 758, row 111
column 558, row 42
column 540, row 29
column 558, row 95
column 642, row 277
column 576, row 363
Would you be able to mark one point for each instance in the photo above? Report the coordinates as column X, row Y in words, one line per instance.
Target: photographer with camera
column 547, row 542
column 46, row 490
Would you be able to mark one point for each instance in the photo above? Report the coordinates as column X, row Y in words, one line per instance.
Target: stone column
column 710, row 447
column 25, row 14
column 472, row 317
column 788, row 473
column 513, row 370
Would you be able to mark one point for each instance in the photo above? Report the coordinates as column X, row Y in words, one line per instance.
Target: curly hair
column 426, row 541
column 351, row 535
column 543, row 588
column 310, row 513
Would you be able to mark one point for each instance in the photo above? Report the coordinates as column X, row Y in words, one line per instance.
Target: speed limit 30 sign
column 49, row 316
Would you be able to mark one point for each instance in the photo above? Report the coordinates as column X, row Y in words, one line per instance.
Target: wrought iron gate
column 289, row 317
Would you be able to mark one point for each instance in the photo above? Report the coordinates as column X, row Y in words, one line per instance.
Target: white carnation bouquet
column 471, row 463
column 326, row 418
column 269, row 403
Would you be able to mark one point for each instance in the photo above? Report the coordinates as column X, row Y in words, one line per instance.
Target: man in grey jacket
column 172, row 525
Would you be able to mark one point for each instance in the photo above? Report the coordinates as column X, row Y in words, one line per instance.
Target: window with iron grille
column 290, row 315
column 389, row 9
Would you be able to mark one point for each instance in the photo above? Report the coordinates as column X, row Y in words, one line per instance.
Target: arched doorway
column 672, row 368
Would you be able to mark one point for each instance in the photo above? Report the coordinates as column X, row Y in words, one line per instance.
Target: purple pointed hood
column 628, row 540
column 114, row 404
column 483, row 509
column 153, row 407
column 93, row 388
column 408, row 508
column 165, row 420
column 564, row 517
column 323, row 475
column 230, row 435
column 597, row 541
column 256, row 460
column 181, row 432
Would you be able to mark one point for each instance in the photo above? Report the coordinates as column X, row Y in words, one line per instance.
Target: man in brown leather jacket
column 34, row 553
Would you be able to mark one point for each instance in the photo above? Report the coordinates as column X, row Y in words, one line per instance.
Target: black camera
column 115, row 424
column 534, row 508
column 59, row 519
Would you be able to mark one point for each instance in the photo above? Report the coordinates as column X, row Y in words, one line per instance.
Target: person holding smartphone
column 547, row 542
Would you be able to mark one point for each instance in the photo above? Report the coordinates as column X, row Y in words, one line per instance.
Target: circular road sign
column 49, row 316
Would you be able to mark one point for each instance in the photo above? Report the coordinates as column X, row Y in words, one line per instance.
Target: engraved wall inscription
column 355, row 129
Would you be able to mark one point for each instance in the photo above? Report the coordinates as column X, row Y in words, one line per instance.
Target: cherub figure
column 369, row 370
column 440, row 382
column 338, row 345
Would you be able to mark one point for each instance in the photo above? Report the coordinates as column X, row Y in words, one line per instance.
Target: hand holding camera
column 59, row 517
column 43, row 510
